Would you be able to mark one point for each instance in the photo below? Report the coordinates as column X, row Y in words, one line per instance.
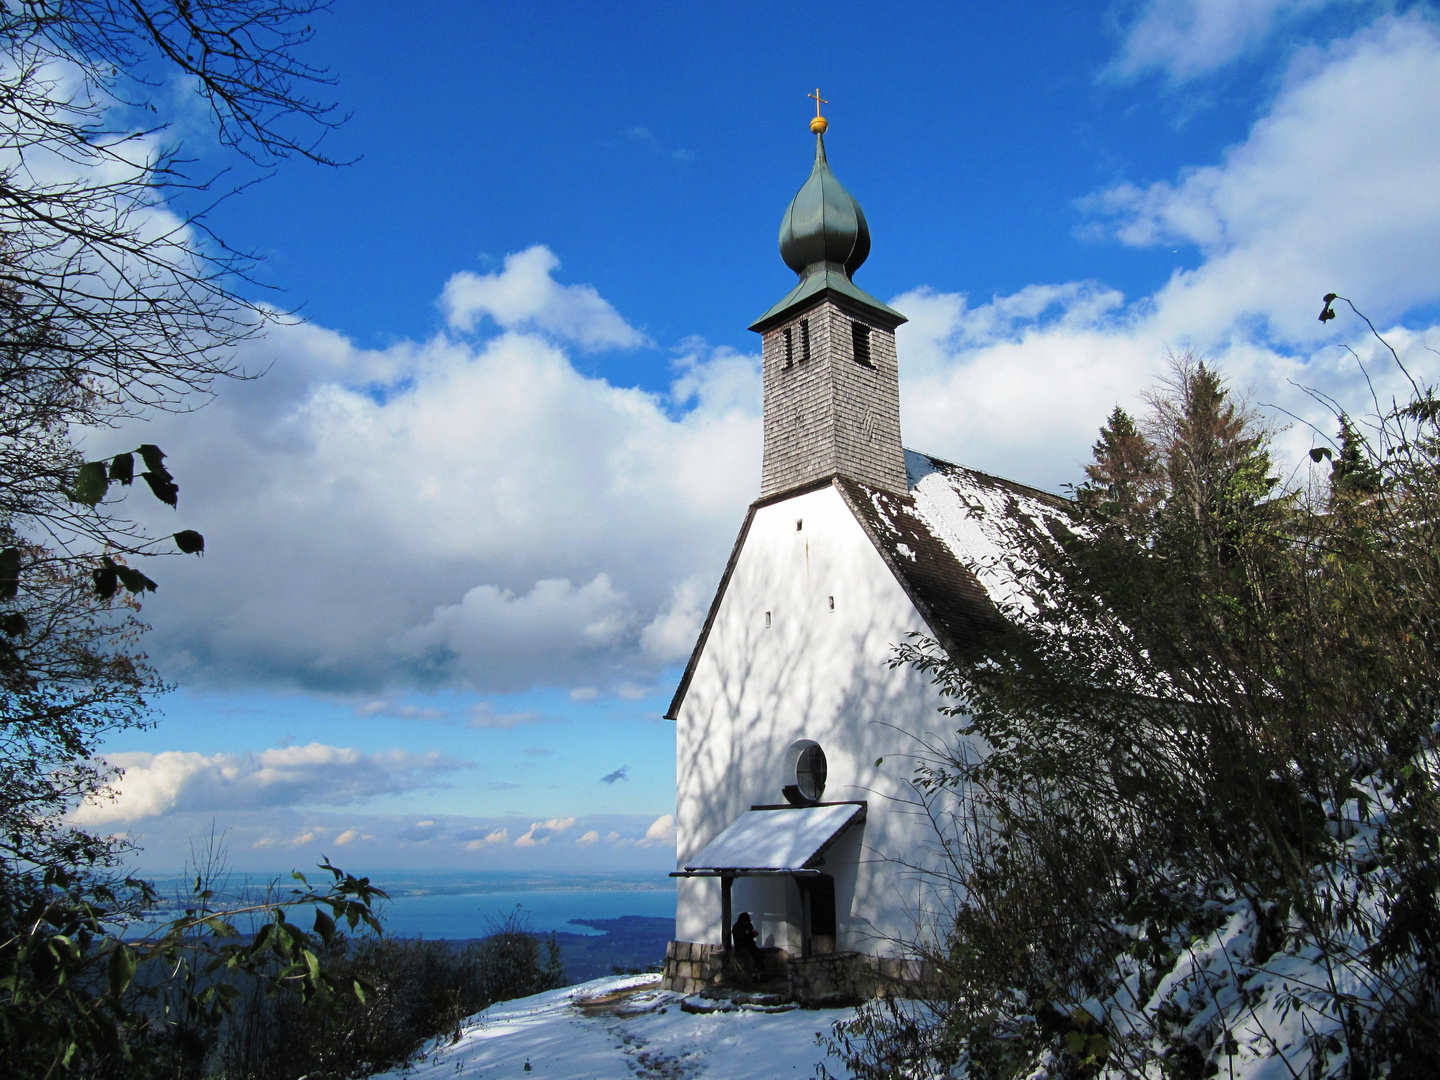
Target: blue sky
column 462, row 533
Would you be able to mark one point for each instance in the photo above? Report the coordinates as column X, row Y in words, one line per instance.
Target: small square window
column 832, row 603
column 799, row 524
column 767, row 620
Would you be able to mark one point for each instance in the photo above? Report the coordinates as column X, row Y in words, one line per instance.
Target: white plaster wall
column 817, row 674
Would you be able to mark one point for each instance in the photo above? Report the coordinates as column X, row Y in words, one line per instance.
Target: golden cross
column 818, row 100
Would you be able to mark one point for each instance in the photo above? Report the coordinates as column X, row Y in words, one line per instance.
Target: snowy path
column 630, row 1028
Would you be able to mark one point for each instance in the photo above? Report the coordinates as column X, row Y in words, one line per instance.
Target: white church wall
column 813, row 673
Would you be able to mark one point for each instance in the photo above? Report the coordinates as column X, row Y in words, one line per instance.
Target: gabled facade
column 795, row 735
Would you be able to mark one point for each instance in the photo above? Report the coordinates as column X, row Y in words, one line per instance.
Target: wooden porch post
column 804, row 886
column 726, row 880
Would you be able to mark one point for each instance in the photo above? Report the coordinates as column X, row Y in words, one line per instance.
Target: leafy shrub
column 417, row 990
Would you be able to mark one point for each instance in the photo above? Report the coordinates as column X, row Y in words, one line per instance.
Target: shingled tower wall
column 832, row 385
column 831, row 413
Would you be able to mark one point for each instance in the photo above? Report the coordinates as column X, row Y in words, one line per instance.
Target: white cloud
column 174, row 780
column 350, row 836
column 1187, row 38
column 426, row 514
column 671, row 635
column 1319, row 197
column 394, row 710
column 661, row 831
column 494, row 628
column 591, row 837
column 490, row 839
column 524, row 296
column 1334, row 189
column 483, row 715
column 540, row 832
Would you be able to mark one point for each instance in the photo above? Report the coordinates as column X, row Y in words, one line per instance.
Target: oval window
column 805, row 773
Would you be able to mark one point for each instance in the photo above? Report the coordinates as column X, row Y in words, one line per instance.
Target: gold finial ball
column 819, row 125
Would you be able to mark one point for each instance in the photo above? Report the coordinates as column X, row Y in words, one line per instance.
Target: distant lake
column 471, row 915
column 446, row 905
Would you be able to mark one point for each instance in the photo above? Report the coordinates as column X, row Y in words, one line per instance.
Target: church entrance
column 817, row 908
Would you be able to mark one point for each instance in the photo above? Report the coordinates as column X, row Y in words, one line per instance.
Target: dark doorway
column 822, row 914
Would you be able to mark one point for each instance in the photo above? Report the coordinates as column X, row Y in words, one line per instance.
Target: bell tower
column 831, row 377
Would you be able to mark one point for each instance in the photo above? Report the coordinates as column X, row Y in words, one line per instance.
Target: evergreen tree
column 1218, row 701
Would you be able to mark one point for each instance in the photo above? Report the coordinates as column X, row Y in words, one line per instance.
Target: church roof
column 952, row 541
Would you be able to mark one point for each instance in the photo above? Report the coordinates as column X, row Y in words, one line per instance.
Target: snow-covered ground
column 625, row 1027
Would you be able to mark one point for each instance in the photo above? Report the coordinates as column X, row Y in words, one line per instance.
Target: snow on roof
column 787, row 838
column 954, row 542
column 983, row 519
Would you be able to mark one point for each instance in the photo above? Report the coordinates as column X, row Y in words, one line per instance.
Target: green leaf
column 359, row 990
column 90, row 483
column 324, row 926
column 878, row 760
column 64, row 948
column 122, row 469
column 134, row 580
column 163, row 485
column 9, row 573
column 312, row 965
column 190, row 542
column 122, row 969
column 1320, row 453
column 106, row 579
column 154, row 458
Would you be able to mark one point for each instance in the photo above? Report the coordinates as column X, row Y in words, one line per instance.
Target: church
column 795, row 737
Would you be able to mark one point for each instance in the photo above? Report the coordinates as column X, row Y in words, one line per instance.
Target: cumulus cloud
column 1318, row 197
column 671, row 635
column 591, row 837
column 174, row 780
column 495, row 628
column 490, row 839
column 660, row 832
column 1187, row 38
column 524, row 296
column 424, row 515
column 540, row 832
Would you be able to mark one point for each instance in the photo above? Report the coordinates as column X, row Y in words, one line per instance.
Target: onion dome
column 824, row 238
column 824, row 222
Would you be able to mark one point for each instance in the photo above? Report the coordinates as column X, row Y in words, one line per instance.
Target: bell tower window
column 860, row 336
column 804, row 340
column 789, row 349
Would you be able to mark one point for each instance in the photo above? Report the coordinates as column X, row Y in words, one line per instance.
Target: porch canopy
column 774, row 840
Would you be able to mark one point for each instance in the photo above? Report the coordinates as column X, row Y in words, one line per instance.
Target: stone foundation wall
column 831, row 979
column 847, row 977
column 691, row 966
